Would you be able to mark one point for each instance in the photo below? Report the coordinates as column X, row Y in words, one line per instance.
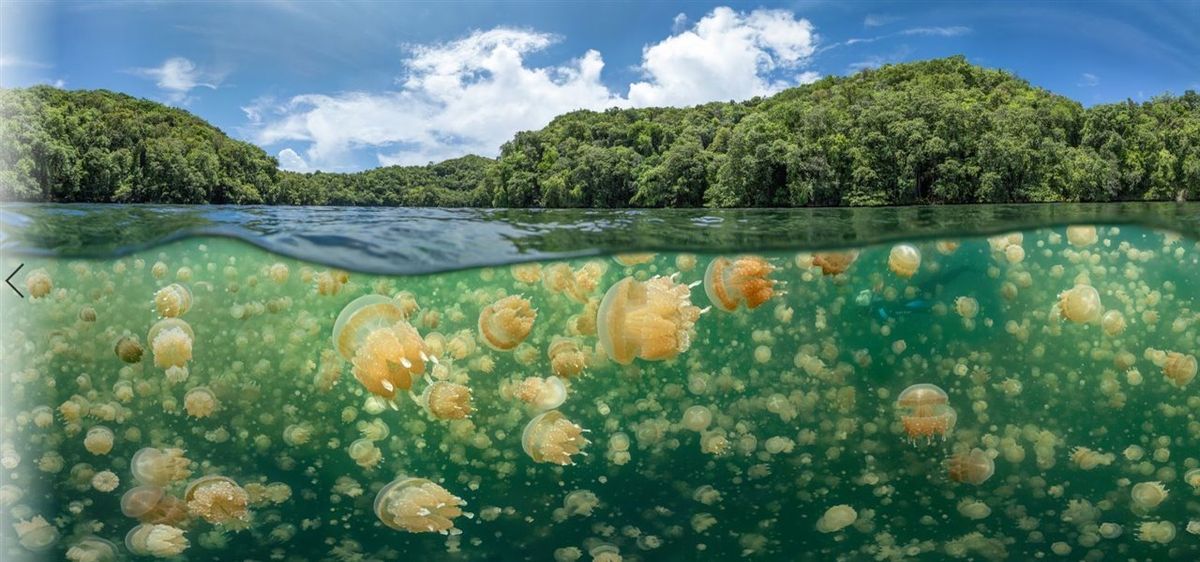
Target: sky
column 342, row 86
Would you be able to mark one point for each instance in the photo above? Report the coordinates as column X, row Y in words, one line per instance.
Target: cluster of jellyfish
column 1023, row 396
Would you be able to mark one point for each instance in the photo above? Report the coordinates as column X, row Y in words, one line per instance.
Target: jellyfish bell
column 504, row 324
column 36, row 534
column 446, row 400
column 1146, row 496
column 359, row 318
column 128, row 349
column 151, row 504
column 173, row 301
column 836, row 518
column 1178, row 368
column 160, row 541
column 171, row 339
column 1080, row 304
column 385, row 350
column 742, row 281
column 973, row 467
column 218, row 500
column 834, row 263
column 925, row 412
column 551, row 437
column 1113, row 322
column 159, row 467
column 93, row 549
column 417, row 505
column 1082, row 235
column 652, row 320
column 904, row 260
column 542, row 394
column 567, row 358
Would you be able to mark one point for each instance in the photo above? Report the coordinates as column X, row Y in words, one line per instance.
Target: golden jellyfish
column 966, row 307
column 697, row 418
column 36, row 534
column 1180, row 369
column 506, row 323
column 1147, row 495
column 446, row 400
column 1161, row 532
column 1080, row 304
column 551, row 437
column 128, row 349
column 946, row 247
column 151, row 504
column 527, row 273
column 566, row 357
column 385, row 350
column 418, row 505
column 652, row 320
column 38, row 284
column 171, row 339
column 331, row 282
column 159, row 467
column 99, row 440
column 632, row 259
column 1087, row 459
column 1082, row 235
column 173, row 301
column 542, row 393
column 904, row 260
column 742, row 281
column 159, row 541
column 218, row 500
column 973, row 467
column 279, row 272
column 925, row 412
column 200, row 402
column 836, row 518
column 93, row 549
column 1113, row 322
column 834, row 263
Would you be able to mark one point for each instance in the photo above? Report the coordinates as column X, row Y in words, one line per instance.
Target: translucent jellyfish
column 105, row 481
column 567, row 359
column 38, row 283
column 278, row 272
column 1087, row 459
column 834, row 263
column 836, row 518
column 93, row 549
column 551, row 437
column 925, row 412
column 1161, row 532
column 385, row 350
column 1082, row 235
column 128, row 349
column 446, row 400
column 1192, row 478
column 417, row 505
column 99, row 440
column 973, row 467
column 151, row 504
column 159, row 467
column 159, row 541
column 506, row 323
column 742, row 281
column 1113, row 322
column 1080, row 304
column 966, row 307
column 200, row 402
column 652, row 320
column 632, row 259
column 542, row 394
column 1180, row 369
column 35, row 534
column 697, row 418
column 904, row 260
column 1147, row 495
column 173, row 301
column 171, row 340
column 219, row 500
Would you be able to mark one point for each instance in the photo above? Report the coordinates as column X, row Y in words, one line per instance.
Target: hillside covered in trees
column 939, row 131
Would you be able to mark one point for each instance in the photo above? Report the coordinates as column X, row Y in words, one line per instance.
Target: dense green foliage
column 940, row 131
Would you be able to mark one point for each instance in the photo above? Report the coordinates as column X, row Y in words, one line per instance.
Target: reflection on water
column 1024, row 396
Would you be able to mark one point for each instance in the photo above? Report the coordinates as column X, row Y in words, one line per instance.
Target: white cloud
column 952, row 31
column 10, row 61
column 1089, row 80
column 289, row 160
column 177, row 76
column 877, row 20
column 471, row 95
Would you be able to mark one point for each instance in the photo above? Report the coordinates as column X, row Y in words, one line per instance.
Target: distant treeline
column 939, row 131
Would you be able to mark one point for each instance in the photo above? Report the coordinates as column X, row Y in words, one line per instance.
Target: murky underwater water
column 1066, row 359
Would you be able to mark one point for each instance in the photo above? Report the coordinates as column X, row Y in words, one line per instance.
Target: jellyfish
column 566, row 358
column 1180, row 369
column 652, row 320
column 128, row 349
column 1087, row 459
column 973, row 467
column 1147, row 495
column 159, row 541
column 834, row 263
column 418, row 505
column 159, row 467
column 506, row 323
column 632, row 259
column 99, row 440
column 38, row 284
column 904, row 260
column 925, row 412
column 1082, row 235
column 1080, row 304
column 1161, row 532
column 93, row 549
column 836, row 518
column 218, row 500
column 151, row 504
column 171, row 339
column 87, row 314
column 173, row 301
column 35, row 534
column 551, row 437
column 105, row 481
column 446, row 400
column 200, row 402
column 365, row 454
column 697, row 418
column 1113, row 322
column 278, row 272
column 742, row 281
column 966, row 307
column 542, row 394
column 385, row 350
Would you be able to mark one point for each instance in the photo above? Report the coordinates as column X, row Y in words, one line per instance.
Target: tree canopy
column 938, row 131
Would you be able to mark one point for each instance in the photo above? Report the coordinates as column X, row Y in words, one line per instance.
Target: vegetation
column 939, row 131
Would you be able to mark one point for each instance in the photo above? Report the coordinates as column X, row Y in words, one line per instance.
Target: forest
column 930, row 132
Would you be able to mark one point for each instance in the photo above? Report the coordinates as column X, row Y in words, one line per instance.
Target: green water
column 802, row 392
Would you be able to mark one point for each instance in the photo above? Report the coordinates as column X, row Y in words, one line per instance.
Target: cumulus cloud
column 177, row 76
column 290, row 160
column 471, row 95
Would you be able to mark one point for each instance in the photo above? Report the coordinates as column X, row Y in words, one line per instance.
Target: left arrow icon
column 8, row 281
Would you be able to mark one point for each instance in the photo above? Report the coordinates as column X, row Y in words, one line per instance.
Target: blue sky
column 347, row 86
